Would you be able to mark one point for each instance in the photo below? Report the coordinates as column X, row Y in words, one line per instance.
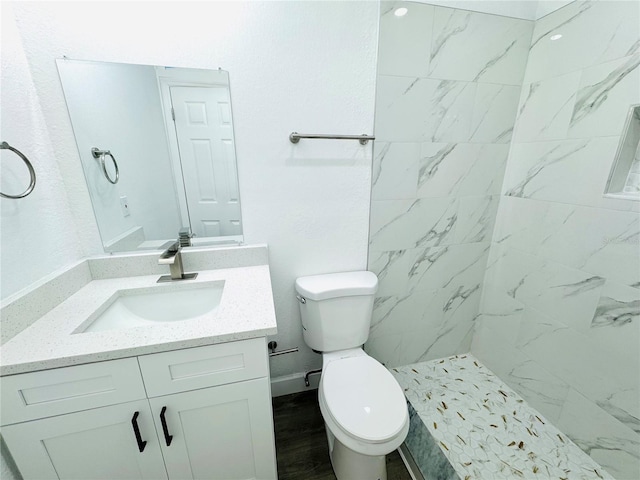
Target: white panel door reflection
column 205, row 139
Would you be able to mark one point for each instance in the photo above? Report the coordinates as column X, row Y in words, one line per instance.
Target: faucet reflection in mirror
column 172, row 129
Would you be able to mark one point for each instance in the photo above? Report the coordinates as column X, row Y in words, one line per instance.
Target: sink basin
column 154, row 305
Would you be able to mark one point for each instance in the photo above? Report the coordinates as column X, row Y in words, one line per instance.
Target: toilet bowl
column 362, row 404
column 365, row 414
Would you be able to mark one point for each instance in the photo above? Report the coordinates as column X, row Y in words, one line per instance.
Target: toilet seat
column 363, row 405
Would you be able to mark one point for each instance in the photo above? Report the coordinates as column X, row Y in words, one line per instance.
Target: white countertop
column 246, row 310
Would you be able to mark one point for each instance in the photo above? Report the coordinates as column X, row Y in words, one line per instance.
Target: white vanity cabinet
column 212, row 408
column 201, row 413
column 220, row 432
column 97, row 443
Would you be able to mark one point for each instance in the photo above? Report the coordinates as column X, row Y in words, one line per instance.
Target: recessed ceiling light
column 557, row 36
column 400, row 12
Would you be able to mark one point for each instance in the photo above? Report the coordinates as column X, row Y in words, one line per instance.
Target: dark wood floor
column 301, row 442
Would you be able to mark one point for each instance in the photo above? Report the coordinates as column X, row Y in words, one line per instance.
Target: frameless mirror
column 158, row 153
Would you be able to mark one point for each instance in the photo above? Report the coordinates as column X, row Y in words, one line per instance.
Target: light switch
column 124, row 205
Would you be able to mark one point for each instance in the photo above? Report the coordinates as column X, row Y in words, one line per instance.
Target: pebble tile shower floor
column 466, row 423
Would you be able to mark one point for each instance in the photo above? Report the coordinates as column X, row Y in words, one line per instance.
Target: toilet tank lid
column 332, row 285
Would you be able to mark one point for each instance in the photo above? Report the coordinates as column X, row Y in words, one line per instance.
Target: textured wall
column 561, row 302
column 448, row 88
column 38, row 234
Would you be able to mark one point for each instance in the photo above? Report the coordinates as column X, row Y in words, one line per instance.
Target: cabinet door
column 223, row 432
column 93, row 444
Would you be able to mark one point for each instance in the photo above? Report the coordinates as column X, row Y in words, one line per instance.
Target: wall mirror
column 158, row 153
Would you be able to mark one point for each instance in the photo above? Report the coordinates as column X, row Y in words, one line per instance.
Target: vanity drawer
column 202, row 367
column 30, row 396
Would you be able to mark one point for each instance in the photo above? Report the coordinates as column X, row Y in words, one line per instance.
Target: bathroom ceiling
column 525, row 9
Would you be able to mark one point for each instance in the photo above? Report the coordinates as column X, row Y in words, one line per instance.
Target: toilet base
column 350, row 465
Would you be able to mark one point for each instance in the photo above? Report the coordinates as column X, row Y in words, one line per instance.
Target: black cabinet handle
column 165, row 429
column 136, row 430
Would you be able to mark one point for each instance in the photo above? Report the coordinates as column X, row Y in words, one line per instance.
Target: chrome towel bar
column 295, row 137
column 100, row 154
column 32, row 172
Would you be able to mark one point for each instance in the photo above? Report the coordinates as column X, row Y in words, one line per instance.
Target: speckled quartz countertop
column 246, row 310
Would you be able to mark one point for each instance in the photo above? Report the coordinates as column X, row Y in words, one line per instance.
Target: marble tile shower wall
column 560, row 312
column 447, row 95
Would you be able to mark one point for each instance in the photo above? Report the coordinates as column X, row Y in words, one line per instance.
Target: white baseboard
column 293, row 384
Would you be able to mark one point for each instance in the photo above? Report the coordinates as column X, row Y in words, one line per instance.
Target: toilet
column 363, row 406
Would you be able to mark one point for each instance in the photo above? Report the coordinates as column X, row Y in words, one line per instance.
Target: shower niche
column 624, row 179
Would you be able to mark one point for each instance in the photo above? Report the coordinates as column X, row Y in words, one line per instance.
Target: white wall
column 303, row 66
column 117, row 107
column 38, row 233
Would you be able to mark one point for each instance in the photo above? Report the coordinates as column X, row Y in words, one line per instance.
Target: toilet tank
column 336, row 309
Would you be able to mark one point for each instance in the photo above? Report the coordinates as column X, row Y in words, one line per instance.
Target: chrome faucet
column 172, row 257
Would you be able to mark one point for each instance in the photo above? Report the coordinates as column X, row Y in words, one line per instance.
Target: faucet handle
column 184, row 237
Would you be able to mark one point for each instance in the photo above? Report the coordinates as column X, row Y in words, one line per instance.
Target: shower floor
column 466, row 423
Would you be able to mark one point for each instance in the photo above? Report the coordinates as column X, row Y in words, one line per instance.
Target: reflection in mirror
column 158, row 153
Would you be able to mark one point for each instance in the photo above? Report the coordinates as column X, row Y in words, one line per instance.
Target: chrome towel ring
column 100, row 154
column 32, row 172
